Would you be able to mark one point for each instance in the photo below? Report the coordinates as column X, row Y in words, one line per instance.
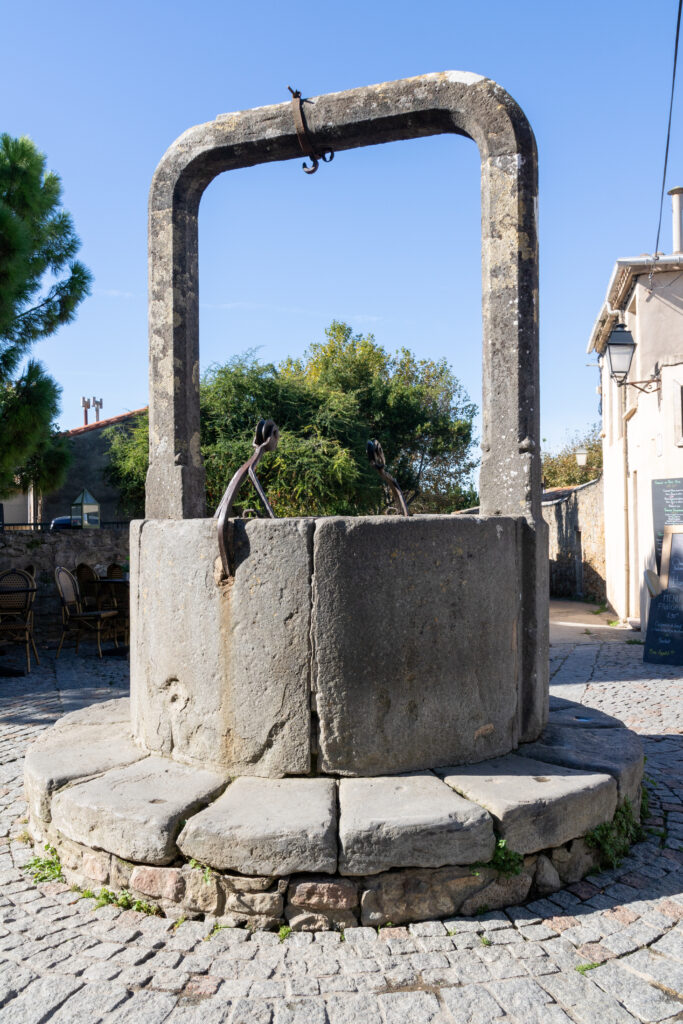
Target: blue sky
column 385, row 238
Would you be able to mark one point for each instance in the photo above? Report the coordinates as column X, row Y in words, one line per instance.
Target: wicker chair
column 115, row 571
column 16, row 611
column 76, row 621
column 87, row 579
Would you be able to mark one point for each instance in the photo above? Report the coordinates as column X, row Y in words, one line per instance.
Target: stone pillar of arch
column 461, row 103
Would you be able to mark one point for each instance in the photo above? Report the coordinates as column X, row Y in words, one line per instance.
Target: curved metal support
column 376, row 456
column 265, row 440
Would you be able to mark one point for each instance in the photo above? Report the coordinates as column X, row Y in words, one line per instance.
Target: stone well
column 341, row 729
column 341, row 646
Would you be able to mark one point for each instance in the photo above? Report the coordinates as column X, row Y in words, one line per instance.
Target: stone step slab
column 135, row 812
column 267, row 827
column 410, row 820
column 615, row 752
column 535, row 804
column 568, row 712
column 82, row 744
column 107, row 712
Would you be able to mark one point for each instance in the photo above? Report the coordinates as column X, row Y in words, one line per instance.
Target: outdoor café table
column 5, row 673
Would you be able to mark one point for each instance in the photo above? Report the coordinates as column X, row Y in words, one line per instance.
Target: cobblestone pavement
column 608, row 949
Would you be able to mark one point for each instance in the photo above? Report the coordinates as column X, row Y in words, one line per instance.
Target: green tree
column 561, row 469
column 41, row 286
column 328, row 404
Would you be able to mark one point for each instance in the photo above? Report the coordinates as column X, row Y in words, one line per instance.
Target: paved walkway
column 61, row 961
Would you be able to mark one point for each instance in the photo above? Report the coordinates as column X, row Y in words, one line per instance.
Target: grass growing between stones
column 124, row 900
column 582, row 968
column 46, row 869
column 204, row 868
column 613, row 839
column 284, row 932
column 505, row 861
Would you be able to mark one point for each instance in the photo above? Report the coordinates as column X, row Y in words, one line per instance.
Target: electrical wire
column 668, row 139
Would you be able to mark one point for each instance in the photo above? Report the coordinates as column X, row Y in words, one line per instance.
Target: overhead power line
column 668, row 130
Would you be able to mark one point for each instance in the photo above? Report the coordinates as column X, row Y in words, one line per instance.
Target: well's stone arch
column 458, row 102
column 452, row 101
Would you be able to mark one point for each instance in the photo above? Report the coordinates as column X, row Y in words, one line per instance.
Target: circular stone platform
column 320, row 852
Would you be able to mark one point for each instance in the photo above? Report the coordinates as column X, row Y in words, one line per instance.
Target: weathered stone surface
column 411, row 684
column 502, row 892
column 574, row 861
column 323, row 894
column 96, row 865
column 408, row 821
column 536, row 804
column 134, row 812
column 267, row 826
column 615, row 752
column 246, row 883
column 546, row 878
column 419, row 895
column 83, row 746
column 220, row 671
column 107, row 712
column 302, row 919
column 160, row 883
column 268, row 904
column 121, row 870
column 568, row 712
column 203, row 891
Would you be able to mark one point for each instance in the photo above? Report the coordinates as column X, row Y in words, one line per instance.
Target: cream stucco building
column 642, row 418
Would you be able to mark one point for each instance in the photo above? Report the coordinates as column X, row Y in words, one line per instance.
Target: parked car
column 65, row 523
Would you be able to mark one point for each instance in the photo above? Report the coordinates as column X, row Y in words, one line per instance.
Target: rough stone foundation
column 319, row 853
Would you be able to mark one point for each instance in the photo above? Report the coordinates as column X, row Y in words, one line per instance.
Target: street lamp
column 581, row 456
column 620, row 348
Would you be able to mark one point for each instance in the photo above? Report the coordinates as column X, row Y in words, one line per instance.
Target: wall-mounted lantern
column 85, row 511
column 581, row 456
column 620, row 348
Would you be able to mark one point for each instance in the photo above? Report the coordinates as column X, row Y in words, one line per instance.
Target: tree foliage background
column 327, row 405
column 41, row 286
column 561, row 470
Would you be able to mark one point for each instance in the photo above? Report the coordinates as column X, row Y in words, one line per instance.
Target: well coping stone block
column 135, row 812
column 615, row 752
column 411, row 820
column 267, row 826
column 536, row 805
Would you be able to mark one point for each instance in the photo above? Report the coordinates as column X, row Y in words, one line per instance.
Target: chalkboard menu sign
column 664, row 638
column 667, row 509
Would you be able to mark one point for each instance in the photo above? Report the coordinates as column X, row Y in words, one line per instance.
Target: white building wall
column 642, row 438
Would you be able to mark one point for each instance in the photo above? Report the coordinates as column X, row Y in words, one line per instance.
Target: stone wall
column 19, row 548
column 576, row 541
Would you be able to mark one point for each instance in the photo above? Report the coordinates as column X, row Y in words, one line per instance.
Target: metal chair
column 75, row 620
column 17, row 591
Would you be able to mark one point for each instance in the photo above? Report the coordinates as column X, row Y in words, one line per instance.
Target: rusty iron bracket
column 305, row 140
column 376, row 456
column 265, row 440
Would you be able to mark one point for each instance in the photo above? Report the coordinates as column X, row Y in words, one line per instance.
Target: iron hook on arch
column 305, row 140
